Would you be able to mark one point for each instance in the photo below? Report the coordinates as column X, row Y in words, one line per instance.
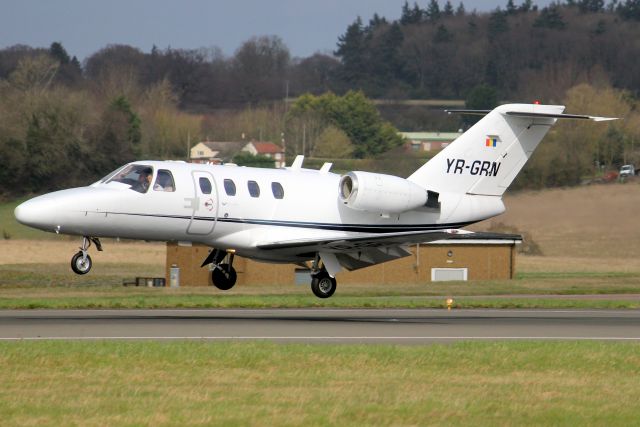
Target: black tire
column 323, row 285
column 78, row 265
column 224, row 277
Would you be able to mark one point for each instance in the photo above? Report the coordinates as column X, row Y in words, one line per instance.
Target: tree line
column 55, row 133
column 436, row 51
column 63, row 122
column 523, row 52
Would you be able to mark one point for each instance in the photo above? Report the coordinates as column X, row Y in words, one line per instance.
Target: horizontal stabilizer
column 534, row 115
column 559, row 116
column 469, row 112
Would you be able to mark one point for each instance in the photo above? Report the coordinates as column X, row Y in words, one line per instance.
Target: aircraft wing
column 363, row 240
column 363, row 250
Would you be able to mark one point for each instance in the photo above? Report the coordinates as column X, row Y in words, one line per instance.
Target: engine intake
column 385, row 194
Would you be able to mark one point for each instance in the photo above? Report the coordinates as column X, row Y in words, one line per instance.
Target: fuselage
column 231, row 207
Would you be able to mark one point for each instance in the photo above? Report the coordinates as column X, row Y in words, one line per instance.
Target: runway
column 321, row 325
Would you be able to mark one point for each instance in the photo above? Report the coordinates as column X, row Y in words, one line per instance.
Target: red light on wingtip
column 536, row 102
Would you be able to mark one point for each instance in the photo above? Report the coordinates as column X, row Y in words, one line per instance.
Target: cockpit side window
column 138, row 177
column 164, row 181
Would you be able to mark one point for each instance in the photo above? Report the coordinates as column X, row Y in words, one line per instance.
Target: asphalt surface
column 322, row 325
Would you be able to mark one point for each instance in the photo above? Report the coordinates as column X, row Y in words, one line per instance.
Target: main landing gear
column 223, row 275
column 322, row 284
column 81, row 261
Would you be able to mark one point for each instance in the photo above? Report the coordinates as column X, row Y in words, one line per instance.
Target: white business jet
column 316, row 218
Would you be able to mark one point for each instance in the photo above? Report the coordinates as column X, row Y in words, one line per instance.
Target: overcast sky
column 85, row 26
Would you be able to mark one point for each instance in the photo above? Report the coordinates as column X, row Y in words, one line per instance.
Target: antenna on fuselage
column 297, row 163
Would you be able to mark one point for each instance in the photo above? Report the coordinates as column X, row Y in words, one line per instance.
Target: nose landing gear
column 81, row 261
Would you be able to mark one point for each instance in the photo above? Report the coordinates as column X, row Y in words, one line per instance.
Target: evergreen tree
column 481, row 97
column 630, row 10
column 526, row 6
column 550, row 17
column 410, row 15
column 433, row 10
column 352, row 50
column 418, row 13
column 376, row 21
column 497, row 24
column 46, row 141
column 460, row 11
column 448, row 9
column 591, row 6
column 442, row 35
column 75, row 63
column 58, row 52
column 405, row 16
column 601, row 27
column 511, row 8
column 134, row 135
column 472, row 25
column 386, row 61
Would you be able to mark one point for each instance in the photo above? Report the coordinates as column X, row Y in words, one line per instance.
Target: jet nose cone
column 24, row 213
column 35, row 213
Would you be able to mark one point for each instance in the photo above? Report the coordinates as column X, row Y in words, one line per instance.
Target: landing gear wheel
column 224, row 277
column 323, row 285
column 80, row 264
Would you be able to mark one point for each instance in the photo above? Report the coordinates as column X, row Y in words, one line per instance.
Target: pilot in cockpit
column 144, row 181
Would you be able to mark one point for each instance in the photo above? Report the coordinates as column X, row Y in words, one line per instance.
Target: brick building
column 484, row 258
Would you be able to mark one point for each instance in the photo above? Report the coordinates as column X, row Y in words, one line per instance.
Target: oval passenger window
column 205, row 186
column 229, row 187
column 254, row 189
column 278, row 191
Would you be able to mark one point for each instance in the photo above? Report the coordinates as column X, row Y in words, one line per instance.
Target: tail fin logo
column 491, row 141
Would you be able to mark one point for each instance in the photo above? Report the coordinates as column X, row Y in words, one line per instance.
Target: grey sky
column 85, row 26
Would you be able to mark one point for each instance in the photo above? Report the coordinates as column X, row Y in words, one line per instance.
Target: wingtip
column 604, row 119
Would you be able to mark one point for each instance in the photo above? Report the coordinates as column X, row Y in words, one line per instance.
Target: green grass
column 54, row 286
column 156, row 300
column 189, row 383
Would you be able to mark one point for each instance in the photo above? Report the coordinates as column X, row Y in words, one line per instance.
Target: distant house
column 218, row 152
column 268, row 149
column 215, row 152
column 428, row 141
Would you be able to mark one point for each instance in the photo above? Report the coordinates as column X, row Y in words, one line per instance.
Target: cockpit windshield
column 138, row 177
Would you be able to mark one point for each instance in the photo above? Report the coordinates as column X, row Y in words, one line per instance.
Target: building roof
column 431, row 136
column 480, row 238
column 263, row 147
column 224, row 149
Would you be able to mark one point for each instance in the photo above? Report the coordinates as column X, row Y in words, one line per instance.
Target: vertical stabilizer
column 486, row 159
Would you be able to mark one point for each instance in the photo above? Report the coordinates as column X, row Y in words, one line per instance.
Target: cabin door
column 204, row 204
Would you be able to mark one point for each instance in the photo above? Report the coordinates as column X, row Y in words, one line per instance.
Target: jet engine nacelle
column 386, row 194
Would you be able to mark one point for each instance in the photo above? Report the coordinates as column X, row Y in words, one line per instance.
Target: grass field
column 43, row 279
column 196, row 383
column 597, row 221
column 589, row 238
